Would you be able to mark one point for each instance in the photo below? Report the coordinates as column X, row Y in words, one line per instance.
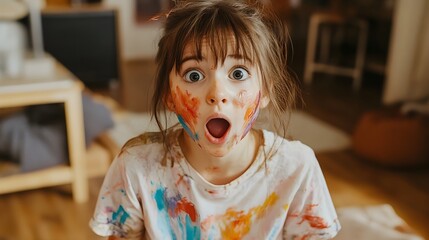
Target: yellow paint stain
column 237, row 223
column 286, row 207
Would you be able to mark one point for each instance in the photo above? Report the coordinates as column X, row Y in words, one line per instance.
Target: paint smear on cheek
column 252, row 109
column 241, row 99
column 186, row 106
column 251, row 115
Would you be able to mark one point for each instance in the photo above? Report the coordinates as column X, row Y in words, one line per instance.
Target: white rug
column 315, row 133
column 377, row 222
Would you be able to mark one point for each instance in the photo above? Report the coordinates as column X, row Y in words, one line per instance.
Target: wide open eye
column 193, row 76
column 239, row 73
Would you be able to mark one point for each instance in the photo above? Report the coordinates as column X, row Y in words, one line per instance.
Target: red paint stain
column 189, row 208
column 211, row 191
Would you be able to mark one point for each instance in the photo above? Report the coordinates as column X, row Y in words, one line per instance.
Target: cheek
column 242, row 99
column 185, row 105
column 248, row 102
column 252, row 108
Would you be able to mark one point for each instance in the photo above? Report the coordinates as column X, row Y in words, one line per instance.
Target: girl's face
column 216, row 104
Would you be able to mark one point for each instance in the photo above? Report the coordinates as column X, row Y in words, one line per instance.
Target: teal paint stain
column 120, row 213
column 275, row 230
column 159, row 198
column 187, row 129
column 168, row 216
column 212, row 233
column 181, row 227
column 164, row 221
column 192, row 232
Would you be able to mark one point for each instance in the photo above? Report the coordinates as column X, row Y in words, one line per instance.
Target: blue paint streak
column 192, row 232
column 180, row 221
column 164, row 222
column 159, row 198
column 186, row 127
column 122, row 213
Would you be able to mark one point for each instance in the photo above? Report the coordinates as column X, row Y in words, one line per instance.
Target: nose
column 216, row 94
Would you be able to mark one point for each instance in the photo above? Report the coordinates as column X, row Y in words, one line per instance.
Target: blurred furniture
column 319, row 37
column 393, row 139
column 12, row 37
column 61, row 87
column 84, row 38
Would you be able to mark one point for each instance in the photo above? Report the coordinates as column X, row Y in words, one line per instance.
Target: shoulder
column 290, row 154
column 143, row 139
column 147, row 147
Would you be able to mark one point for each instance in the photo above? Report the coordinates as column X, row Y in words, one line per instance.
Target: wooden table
column 61, row 87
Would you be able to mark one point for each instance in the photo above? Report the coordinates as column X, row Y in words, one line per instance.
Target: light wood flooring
column 50, row 213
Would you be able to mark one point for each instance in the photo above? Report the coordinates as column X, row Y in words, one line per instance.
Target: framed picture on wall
column 146, row 10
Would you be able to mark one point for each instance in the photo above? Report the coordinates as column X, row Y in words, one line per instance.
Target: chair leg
column 311, row 50
column 360, row 55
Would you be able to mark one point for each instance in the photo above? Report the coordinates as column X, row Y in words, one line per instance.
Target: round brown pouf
column 393, row 139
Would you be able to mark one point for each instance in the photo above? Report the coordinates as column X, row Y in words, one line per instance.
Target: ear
column 264, row 101
column 170, row 103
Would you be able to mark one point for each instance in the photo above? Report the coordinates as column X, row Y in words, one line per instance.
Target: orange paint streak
column 305, row 237
column 314, row 221
column 251, row 109
column 186, row 106
column 187, row 207
column 238, row 224
column 180, row 180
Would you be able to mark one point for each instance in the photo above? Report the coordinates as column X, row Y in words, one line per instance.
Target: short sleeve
column 118, row 211
column 311, row 214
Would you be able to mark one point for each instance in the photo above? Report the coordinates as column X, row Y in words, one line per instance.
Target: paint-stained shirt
column 151, row 193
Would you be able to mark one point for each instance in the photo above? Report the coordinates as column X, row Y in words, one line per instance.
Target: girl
column 214, row 176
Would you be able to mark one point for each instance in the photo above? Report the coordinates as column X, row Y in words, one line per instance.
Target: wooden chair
column 324, row 40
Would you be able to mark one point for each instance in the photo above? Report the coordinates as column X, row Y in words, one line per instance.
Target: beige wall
column 408, row 60
column 138, row 41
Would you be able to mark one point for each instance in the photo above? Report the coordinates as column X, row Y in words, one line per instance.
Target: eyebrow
column 191, row 57
column 196, row 58
column 239, row 56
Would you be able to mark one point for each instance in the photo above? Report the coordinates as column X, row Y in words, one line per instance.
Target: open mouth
column 217, row 127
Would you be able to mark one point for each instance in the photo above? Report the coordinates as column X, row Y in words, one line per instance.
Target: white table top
column 61, row 78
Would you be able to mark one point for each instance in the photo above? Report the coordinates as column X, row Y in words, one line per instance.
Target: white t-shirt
column 147, row 193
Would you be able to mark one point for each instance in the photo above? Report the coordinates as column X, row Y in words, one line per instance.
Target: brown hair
column 259, row 35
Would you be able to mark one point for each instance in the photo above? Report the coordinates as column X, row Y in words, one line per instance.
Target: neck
column 221, row 170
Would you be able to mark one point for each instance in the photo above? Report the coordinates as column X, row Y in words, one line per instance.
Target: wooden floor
column 50, row 213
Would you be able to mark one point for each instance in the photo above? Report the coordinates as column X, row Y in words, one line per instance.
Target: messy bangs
column 220, row 30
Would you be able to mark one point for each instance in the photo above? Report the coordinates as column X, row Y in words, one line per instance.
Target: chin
column 218, row 150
